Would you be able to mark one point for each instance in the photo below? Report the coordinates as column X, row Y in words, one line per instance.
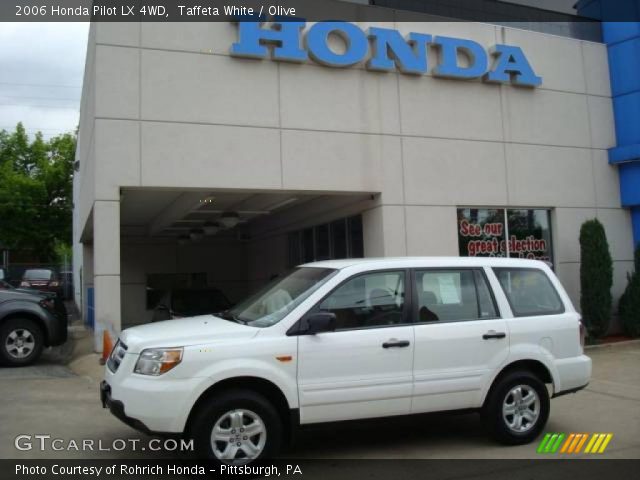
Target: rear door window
column 453, row 295
column 529, row 291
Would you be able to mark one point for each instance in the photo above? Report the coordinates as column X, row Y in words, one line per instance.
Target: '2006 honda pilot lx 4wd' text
column 351, row 339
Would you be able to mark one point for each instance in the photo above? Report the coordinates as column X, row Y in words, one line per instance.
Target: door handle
column 396, row 344
column 493, row 334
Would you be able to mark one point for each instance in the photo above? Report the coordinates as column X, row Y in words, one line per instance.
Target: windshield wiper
column 227, row 315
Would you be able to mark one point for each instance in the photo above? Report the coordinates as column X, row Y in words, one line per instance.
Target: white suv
column 352, row 339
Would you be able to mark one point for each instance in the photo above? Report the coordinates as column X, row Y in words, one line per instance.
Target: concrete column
column 384, row 231
column 106, row 269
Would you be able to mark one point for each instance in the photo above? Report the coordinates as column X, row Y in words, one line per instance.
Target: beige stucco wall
column 168, row 107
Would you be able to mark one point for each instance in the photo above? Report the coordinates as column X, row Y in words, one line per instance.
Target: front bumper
column 151, row 404
column 116, row 407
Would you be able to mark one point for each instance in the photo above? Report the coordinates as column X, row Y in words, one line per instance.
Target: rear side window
column 453, row 296
column 529, row 291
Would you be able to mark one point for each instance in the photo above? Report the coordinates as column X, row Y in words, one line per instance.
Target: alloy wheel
column 20, row 343
column 521, row 408
column 238, row 437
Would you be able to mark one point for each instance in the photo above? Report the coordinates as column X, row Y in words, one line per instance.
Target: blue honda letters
column 383, row 49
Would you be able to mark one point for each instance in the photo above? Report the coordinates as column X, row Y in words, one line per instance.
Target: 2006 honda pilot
column 350, row 339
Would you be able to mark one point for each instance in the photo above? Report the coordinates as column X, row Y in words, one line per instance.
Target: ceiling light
column 282, row 204
column 230, row 219
column 210, row 228
column 196, row 234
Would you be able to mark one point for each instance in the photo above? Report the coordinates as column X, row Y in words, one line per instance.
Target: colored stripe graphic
column 556, row 445
column 606, row 442
column 591, row 442
column 582, row 441
column 568, row 442
column 573, row 443
column 543, row 443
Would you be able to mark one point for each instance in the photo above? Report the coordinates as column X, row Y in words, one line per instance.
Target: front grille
column 116, row 357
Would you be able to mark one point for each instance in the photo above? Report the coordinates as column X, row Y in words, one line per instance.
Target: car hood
column 14, row 294
column 184, row 332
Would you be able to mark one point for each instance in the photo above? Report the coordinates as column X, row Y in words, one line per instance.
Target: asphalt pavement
column 61, row 401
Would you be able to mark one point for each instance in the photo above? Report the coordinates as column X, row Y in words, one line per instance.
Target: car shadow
column 415, row 431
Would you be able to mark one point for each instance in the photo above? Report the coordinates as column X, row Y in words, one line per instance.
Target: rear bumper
column 573, row 374
column 571, row 390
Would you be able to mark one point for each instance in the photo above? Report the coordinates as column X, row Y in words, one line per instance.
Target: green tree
column 629, row 307
column 36, row 199
column 596, row 278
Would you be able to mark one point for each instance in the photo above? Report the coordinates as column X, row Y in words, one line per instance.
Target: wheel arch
column 260, row 385
column 27, row 315
column 536, row 367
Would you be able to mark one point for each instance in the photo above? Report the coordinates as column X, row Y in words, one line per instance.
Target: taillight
column 582, row 333
column 25, row 284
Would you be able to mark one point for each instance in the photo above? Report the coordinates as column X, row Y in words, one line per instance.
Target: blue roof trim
column 624, row 154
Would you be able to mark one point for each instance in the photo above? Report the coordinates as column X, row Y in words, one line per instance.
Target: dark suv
column 29, row 322
column 43, row 279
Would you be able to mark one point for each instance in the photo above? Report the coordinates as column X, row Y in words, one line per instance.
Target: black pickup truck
column 29, row 321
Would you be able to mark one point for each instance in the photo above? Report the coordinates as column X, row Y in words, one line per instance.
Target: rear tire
column 237, row 427
column 517, row 408
column 21, row 342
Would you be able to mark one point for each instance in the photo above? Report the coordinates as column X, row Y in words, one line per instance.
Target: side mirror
column 319, row 322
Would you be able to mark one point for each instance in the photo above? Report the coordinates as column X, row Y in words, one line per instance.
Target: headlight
column 156, row 361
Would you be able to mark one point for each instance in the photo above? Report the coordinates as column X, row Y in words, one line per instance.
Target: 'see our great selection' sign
column 383, row 49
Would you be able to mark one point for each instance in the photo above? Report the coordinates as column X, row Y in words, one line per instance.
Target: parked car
column 59, row 306
column 43, row 279
column 28, row 323
column 190, row 302
column 352, row 339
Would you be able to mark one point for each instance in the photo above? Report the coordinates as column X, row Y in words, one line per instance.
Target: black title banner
column 303, row 469
column 311, row 10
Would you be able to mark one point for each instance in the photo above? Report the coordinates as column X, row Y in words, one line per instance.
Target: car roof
column 416, row 262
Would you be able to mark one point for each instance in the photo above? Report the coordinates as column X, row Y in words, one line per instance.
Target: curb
column 614, row 344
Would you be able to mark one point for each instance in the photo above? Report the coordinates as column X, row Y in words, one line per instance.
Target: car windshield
column 38, row 274
column 273, row 302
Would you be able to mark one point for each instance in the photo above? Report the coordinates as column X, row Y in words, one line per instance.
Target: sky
column 41, row 75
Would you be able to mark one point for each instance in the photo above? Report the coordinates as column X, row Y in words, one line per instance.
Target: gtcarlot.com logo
column 43, row 442
column 574, row 443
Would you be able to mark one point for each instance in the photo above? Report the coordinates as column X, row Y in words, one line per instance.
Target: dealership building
column 218, row 155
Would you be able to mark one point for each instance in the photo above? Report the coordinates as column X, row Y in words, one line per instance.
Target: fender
column 520, row 353
column 283, row 379
column 47, row 321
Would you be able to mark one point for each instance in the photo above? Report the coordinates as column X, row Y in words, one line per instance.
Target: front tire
column 517, row 408
column 237, row 427
column 21, row 342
